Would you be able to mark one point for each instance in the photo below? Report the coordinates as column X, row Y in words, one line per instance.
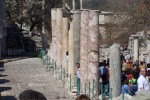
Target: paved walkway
column 29, row 73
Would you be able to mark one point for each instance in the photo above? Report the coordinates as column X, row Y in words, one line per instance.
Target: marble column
column 76, row 35
column 148, row 51
column 74, row 43
column 93, row 50
column 52, row 50
column 84, row 48
column 65, row 44
column 81, row 4
column 115, row 70
column 73, row 4
column 135, row 47
column 71, row 50
column 58, row 41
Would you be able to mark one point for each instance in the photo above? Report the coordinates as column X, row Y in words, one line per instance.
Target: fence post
column 85, row 89
column 55, row 69
column 110, row 94
column 70, row 82
column 102, row 91
column 122, row 96
column 93, row 90
column 89, row 89
column 61, row 73
column 64, row 78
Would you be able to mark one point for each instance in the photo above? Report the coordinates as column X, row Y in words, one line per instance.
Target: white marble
column 93, row 49
column 65, row 43
column 115, row 70
column 84, row 48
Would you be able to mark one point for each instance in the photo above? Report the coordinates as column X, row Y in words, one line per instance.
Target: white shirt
column 78, row 73
column 143, row 83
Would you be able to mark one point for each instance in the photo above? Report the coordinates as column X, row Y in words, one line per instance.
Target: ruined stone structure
column 80, row 39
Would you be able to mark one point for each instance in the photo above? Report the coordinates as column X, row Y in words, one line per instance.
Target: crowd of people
column 134, row 76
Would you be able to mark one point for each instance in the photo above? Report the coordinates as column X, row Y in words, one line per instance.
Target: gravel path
column 29, row 73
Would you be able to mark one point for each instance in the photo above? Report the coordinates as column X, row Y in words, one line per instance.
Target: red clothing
column 129, row 76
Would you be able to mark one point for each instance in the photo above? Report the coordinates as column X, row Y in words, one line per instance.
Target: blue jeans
column 78, row 86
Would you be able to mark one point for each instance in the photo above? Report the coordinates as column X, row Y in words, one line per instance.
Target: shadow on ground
column 1, row 75
column 2, row 81
column 2, row 89
column 8, row 98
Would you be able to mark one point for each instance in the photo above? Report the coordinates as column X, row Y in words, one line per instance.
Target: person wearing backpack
column 133, row 84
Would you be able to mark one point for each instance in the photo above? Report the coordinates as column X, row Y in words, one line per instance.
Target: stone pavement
column 29, row 73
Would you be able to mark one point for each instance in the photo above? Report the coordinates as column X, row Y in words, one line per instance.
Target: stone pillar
column 84, row 48
column 52, row 50
column 148, row 51
column 135, row 47
column 65, row 44
column 76, row 35
column 74, row 42
column 93, row 50
column 58, row 41
column 115, row 70
column 73, row 4
column 71, row 50
column 81, row 4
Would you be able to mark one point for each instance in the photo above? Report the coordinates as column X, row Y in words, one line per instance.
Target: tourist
column 31, row 95
column 135, row 71
column 124, row 66
column 125, row 88
column 143, row 83
column 78, row 78
column 141, row 65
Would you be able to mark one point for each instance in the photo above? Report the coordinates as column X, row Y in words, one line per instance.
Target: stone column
column 115, row 70
column 84, row 48
column 65, row 43
column 71, row 50
column 93, row 49
column 73, row 4
column 74, row 42
column 81, row 4
column 135, row 47
column 52, row 50
column 148, row 51
column 76, row 35
column 58, row 41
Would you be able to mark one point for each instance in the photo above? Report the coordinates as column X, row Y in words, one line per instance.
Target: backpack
column 133, row 89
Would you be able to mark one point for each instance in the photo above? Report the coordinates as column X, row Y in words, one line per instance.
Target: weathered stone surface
column 142, row 95
column 65, row 43
column 148, row 51
column 52, row 50
column 115, row 70
column 135, row 47
column 93, row 49
column 71, row 50
column 58, row 41
column 84, row 48
column 74, row 42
